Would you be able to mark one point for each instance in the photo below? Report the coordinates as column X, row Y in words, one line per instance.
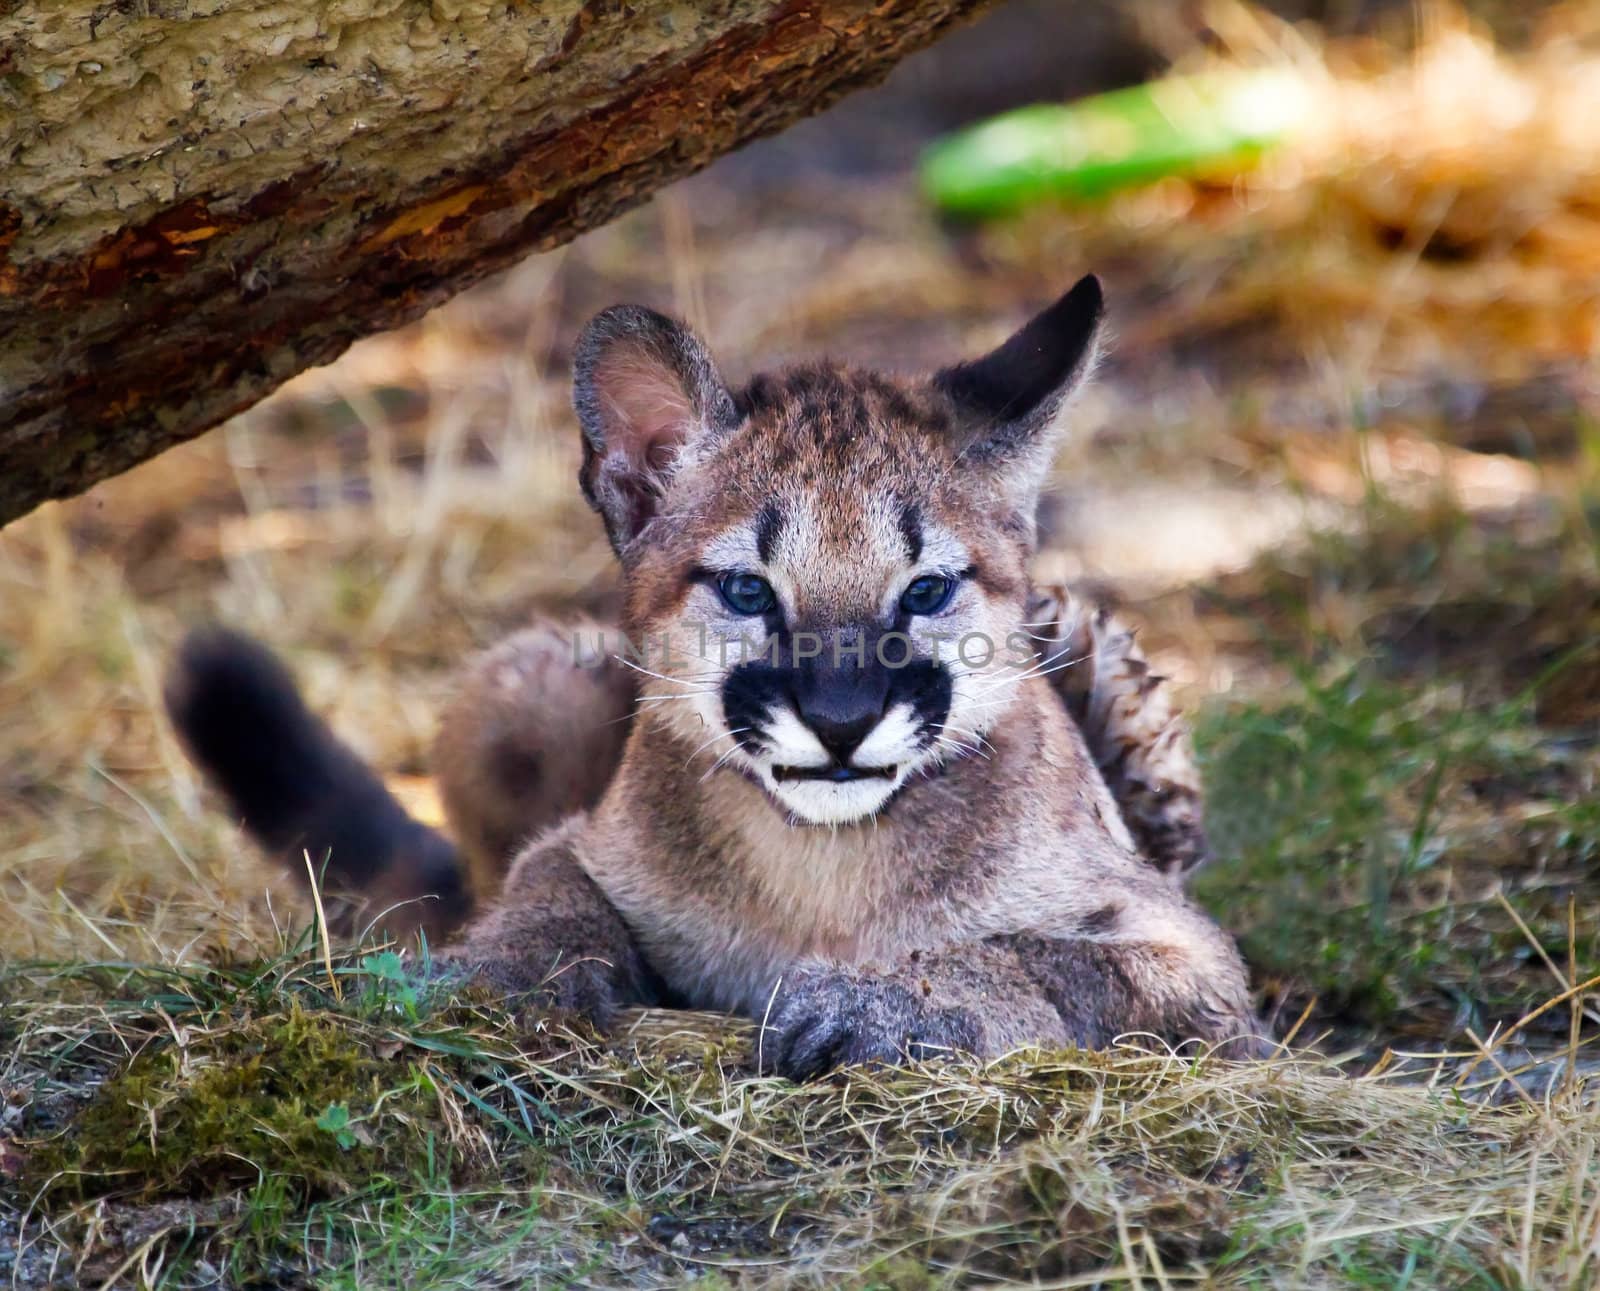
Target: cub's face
column 839, row 594
column 826, row 572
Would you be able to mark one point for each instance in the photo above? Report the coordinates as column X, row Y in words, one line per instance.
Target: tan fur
column 997, row 898
column 529, row 738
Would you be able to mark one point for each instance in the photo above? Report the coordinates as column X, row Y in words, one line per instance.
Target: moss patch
column 295, row 1097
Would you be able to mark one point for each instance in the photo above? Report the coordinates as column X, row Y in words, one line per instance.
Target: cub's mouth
column 834, row 774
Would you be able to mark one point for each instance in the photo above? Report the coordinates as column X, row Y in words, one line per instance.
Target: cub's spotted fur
column 863, row 783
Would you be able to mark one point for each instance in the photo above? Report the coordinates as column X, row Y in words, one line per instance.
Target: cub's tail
column 299, row 791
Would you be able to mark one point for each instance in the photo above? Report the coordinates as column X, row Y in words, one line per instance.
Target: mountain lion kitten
column 842, row 770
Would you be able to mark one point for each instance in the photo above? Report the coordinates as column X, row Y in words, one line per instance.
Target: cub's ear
column 644, row 388
column 1010, row 403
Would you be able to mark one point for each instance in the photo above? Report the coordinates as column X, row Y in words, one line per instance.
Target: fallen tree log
column 200, row 198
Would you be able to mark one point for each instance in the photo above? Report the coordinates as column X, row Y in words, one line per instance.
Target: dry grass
column 1343, row 463
column 657, row 1155
column 1441, row 208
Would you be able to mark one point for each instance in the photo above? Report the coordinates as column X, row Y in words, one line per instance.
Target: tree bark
column 200, row 198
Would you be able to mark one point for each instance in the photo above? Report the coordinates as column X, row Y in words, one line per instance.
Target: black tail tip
column 240, row 718
column 299, row 791
column 217, row 667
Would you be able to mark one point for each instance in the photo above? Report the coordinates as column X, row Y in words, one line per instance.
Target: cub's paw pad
column 827, row 1020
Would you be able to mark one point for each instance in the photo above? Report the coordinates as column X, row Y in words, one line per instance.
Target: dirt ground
column 1342, row 465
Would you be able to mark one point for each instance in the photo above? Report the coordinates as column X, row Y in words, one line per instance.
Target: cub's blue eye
column 747, row 593
column 928, row 594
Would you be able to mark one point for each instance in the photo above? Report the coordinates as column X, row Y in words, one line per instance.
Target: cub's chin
column 832, row 802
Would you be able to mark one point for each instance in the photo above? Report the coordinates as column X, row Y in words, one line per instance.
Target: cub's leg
column 534, row 734
column 1005, row 992
column 553, row 938
column 1138, row 738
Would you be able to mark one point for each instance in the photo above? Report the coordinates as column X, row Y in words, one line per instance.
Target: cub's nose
column 841, row 736
column 841, row 706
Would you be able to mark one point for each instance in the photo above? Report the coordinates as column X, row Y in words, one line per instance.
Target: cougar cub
column 840, row 768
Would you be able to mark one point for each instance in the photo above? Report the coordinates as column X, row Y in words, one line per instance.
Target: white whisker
column 961, row 733
column 717, row 765
column 963, row 748
column 688, row 680
column 720, row 735
column 1029, row 674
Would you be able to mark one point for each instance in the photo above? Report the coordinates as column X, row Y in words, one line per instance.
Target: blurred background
column 1342, row 465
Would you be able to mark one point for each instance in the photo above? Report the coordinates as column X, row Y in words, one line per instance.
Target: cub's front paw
column 587, row 987
column 828, row 1019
